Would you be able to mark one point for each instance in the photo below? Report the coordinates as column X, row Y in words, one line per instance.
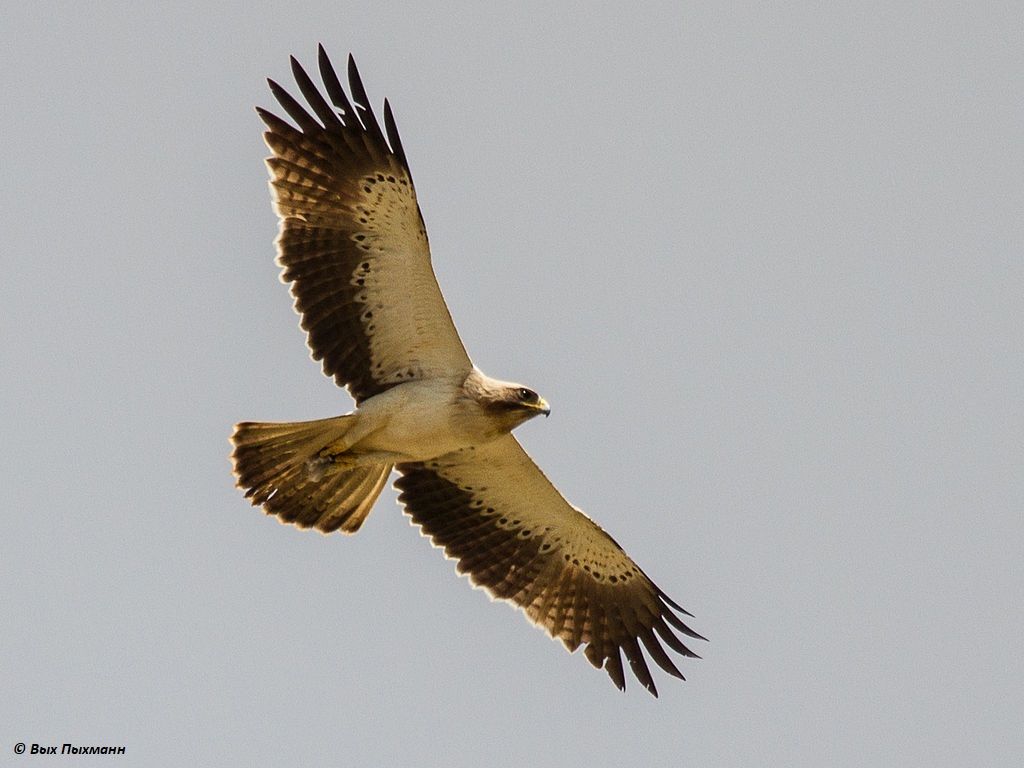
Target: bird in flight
column 354, row 249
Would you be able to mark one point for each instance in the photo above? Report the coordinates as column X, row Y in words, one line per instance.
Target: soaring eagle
column 353, row 246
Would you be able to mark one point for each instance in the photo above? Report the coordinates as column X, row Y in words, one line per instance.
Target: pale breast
column 421, row 420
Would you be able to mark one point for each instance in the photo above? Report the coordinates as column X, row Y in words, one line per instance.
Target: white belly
column 416, row 421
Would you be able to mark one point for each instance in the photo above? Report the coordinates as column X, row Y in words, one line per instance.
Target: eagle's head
column 507, row 403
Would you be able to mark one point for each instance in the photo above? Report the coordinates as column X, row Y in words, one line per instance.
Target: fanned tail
column 280, row 468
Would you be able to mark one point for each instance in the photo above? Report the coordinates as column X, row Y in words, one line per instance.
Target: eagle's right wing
column 352, row 240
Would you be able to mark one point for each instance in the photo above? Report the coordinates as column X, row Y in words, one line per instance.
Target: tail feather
column 277, row 466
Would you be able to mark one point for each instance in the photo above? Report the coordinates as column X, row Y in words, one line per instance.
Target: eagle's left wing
column 492, row 509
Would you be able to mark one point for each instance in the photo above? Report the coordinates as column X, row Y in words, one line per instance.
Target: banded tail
column 280, row 469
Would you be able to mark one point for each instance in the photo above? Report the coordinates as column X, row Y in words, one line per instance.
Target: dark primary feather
column 360, row 100
column 323, row 110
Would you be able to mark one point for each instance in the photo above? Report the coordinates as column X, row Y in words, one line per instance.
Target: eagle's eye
column 527, row 395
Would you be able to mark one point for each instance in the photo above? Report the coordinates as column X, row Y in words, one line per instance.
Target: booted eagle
column 354, row 248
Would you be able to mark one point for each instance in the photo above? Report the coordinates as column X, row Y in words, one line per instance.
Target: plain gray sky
column 764, row 260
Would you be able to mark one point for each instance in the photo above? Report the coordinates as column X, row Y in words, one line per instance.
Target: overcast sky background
column 765, row 262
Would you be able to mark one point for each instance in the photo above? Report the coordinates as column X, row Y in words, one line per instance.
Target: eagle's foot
column 317, row 465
